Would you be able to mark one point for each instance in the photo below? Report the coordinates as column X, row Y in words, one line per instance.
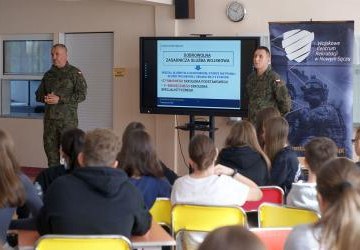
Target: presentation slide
column 199, row 73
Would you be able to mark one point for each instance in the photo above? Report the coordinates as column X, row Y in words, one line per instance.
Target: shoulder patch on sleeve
column 277, row 81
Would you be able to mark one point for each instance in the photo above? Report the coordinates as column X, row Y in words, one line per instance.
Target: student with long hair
column 16, row 190
column 232, row 238
column 338, row 187
column 243, row 153
column 72, row 143
column 261, row 117
column 139, row 160
column 210, row 185
column 170, row 175
column 285, row 167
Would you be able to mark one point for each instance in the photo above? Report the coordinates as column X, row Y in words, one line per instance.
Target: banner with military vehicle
column 315, row 59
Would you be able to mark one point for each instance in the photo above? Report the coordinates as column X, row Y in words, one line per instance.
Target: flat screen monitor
column 195, row 75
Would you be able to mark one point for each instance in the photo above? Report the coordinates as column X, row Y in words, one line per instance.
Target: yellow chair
column 83, row 242
column 205, row 218
column 161, row 211
column 271, row 215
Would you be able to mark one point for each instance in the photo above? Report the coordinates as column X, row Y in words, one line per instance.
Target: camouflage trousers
column 53, row 130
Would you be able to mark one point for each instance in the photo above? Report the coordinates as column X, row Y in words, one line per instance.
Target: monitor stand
column 195, row 125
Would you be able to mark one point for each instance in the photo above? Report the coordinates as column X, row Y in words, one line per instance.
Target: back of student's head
column 131, row 127
column 11, row 189
column 72, row 143
column 231, row 238
column 243, row 134
column 101, row 148
column 261, row 117
column 138, row 156
column 319, row 150
column 338, row 184
column 276, row 131
column 202, row 151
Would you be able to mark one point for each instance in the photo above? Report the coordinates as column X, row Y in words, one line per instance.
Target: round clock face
column 235, row 11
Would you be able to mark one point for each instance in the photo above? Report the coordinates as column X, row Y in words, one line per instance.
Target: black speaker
column 184, row 9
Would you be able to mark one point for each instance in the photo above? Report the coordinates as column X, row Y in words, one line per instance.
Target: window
column 26, row 57
column 25, row 60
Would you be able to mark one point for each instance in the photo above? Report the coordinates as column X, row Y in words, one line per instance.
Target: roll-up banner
column 315, row 59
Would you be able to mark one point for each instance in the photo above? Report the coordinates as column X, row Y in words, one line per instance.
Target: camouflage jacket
column 266, row 90
column 69, row 84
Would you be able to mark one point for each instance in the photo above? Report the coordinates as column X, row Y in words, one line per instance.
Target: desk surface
column 155, row 237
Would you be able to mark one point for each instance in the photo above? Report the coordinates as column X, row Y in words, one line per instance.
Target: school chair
column 271, row 194
column 272, row 215
column 161, row 211
column 203, row 218
column 83, row 242
column 272, row 238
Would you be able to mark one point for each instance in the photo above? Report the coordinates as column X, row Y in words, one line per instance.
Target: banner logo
column 297, row 44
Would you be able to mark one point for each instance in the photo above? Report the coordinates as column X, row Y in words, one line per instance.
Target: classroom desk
column 154, row 238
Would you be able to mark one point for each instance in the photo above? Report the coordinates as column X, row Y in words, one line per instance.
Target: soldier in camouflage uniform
column 264, row 88
column 61, row 89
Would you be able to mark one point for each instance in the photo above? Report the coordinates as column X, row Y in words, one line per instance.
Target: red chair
column 273, row 238
column 271, row 194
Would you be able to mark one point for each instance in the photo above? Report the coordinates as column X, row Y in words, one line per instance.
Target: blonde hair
column 276, row 136
column 338, row 184
column 243, row 134
column 101, row 147
column 11, row 188
column 261, row 118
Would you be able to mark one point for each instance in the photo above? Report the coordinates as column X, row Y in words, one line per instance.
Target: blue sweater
column 151, row 188
column 33, row 202
column 285, row 169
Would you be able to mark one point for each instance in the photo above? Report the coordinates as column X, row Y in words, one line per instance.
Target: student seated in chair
column 170, row 175
column 243, row 153
column 96, row 198
column 210, row 185
column 139, row 160
column 338, row 188
column 72, row 143
column 285, row 168
column 317, row 151
column 16, row 190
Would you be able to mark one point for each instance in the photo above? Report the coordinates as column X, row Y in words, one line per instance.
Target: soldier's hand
column 52, row 98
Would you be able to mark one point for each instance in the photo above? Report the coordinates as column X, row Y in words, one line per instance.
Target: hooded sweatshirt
column 94, row 200
column 247, row 161
column 303, row 195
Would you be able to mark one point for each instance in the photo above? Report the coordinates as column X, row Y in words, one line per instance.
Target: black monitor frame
column 148, row 77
